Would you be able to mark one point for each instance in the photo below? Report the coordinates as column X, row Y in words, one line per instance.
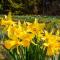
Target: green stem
column 55, row 57
column 48, row 58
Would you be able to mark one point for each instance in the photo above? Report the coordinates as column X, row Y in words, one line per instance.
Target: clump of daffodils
column 23, row 34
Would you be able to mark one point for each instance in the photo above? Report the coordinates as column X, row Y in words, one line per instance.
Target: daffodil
column 52, row 44
column 27, row 39
column 35, row 27
column 6, row 22
column 15, row 32
column 26, row 43
column 11, row 43
column 52, row 48
column 11, row 32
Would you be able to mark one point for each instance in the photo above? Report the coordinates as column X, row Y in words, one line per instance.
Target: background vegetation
column 40, row 7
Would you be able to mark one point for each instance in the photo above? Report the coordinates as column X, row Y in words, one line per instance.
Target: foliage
column 44, row 7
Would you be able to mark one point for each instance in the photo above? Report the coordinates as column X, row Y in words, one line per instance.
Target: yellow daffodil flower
column 35, row 27
column 11, row 43
column 7, row 22
column 52, row 44
column 27, row 39
column 15, row 32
